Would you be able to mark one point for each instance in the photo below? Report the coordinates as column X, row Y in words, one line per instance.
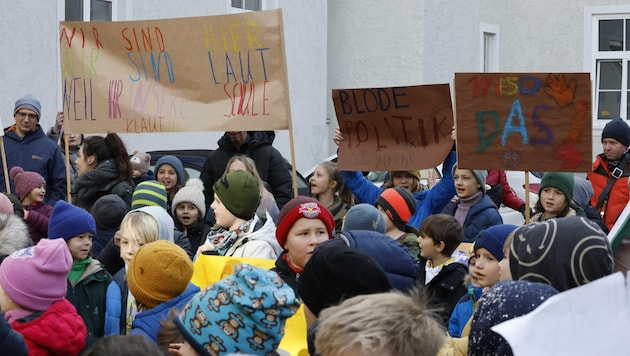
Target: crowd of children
column 408, row 270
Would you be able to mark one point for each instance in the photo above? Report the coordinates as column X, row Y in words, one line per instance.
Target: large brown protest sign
column 212, row 73
column 524, row 121
column 399, row 128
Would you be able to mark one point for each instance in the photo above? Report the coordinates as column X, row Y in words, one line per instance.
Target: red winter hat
column 25, row 181
column 302, row 207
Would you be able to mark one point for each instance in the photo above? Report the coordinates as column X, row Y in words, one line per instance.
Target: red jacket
column 508, row 196
column 58, row 331
column 618, row 197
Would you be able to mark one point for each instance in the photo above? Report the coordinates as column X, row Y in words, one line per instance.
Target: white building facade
column 351, row 44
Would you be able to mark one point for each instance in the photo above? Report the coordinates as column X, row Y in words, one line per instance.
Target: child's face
column 466, row 184
column 223, row 216
column 472, row 271
column 129, row 245
column 405, row 180
column 80, row 246
column 552, row 200
column 321, row 182
column 428, row 248
column 303, row 237
column 136, row 173
column 487, row 268
column 504, row 266
column 167, row 176
column 38, row 194
column 187, row 214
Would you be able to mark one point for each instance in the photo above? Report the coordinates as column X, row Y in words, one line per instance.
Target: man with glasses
column 27, row 146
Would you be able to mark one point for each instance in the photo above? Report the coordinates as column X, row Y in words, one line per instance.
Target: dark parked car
column 193, row 163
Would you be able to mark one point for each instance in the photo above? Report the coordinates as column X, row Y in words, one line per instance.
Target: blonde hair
column 380, row 324
column 140, row 226
column 250, row 166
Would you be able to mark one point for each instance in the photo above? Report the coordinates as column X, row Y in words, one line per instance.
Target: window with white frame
column 251, row 5
column 88, row 10
column 489, row 48
column 612, row 62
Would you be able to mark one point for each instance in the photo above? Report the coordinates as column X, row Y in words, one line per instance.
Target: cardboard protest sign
column 529, row 121
column 399, row 128
column 190, row 74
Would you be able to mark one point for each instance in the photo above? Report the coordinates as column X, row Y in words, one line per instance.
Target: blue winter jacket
column 36, row 153
column 399, row 266
column 463, row 311
column 116, row 304
column 480, row 216
column 147, row 323
column 430, row 201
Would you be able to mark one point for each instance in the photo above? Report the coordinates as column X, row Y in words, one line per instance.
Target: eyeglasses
column 21, row 115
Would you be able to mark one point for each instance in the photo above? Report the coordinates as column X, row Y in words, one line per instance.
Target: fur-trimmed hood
column 14, row 235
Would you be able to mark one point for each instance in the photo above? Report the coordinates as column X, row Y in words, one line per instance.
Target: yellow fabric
column 454, row 346
column 209, row 269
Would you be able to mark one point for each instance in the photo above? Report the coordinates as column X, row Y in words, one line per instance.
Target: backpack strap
column 614, row 175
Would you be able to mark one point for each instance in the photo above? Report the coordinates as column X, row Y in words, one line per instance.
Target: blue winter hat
column 364, row 217
column 244, row 312
column 28, row 101
column 493, row 239
column 173, row 162
column 617, row 129
column 68, row 221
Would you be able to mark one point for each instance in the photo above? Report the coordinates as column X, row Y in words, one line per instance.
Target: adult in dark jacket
column 401, row 269
column 104, row 168
column 27, row 146
column 271, row 166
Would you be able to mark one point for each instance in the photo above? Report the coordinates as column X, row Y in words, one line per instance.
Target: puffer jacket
column 401, row 269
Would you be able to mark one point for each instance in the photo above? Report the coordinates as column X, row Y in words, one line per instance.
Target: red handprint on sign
column 569, row 156
column 559, row 90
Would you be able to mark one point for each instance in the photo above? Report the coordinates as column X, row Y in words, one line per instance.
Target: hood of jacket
column 255, row 139
column 60, row 330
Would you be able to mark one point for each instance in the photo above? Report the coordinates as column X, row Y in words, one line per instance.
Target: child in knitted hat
column 140, row 167
column 159, row 279
column 149, row 193
column 244, row 312
column 564, row 253
column 239, row 231
column 397, row 205
column 189, row 208
column 364, row 217
column 88, row 279
column 336, row 272
column 304, row 223
column 441, row 273
column 489, row 252
column 31, row 190
column 327, row 186
column 555, row 197
column 169, row 171
column 472, row 208
column 33, row 284
column 267, row 203
column 108, row 211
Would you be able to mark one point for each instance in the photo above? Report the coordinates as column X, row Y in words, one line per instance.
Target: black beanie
column 617, row 129
column 337, row 272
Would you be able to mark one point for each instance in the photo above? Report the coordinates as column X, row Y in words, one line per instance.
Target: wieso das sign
column 524, row 121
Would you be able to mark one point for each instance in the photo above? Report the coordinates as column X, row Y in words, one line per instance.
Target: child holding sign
column 430, row 201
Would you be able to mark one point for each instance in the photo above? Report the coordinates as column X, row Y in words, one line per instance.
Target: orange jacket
column 618, row 196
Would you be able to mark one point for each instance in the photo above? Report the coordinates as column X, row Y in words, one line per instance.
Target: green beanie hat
column 559, row 180
column 239, row 193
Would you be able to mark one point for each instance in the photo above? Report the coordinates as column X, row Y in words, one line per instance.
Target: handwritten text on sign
column 192, row 74
column 400, row 128
column 532, row 121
